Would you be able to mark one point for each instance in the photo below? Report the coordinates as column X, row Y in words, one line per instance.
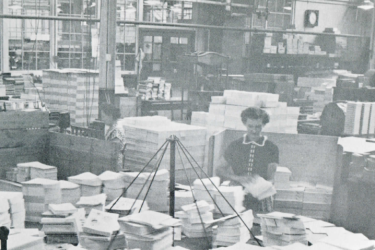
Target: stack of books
column 148, row 230
column 282, row 177
column 125, row 206
column 113, row 184
column 31, row 170
column 203, row 188
column 231, row 230
column 38, row 193
column 194, row 222
column 59, row 224
column 99, row 229
column 282, row 229
column 89, row 203
column 70, row 192
column 90, row 183
column 234, row 195
column 16, row 208
column 158, row 194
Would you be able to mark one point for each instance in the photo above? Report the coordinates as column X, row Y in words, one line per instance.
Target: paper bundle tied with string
column 260, row 188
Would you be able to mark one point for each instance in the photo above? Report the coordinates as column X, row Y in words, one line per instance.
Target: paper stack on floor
column 16, row 208
column 282, row 229
column 234, row 195
column 4, row 213
column 38, row 193
column 158, row 195
column 289, row 200
column 207, row 190
column 125, row 206
column 282, row 177
column 90, row 183
column 317, row 202
column 232, row 230
column 25, row 239
column 113, row 184
column 89, row 203
column 348, row 241
column 192, row 220
column 70, row 192
column 31, row 170
column 148, row 230
column 99, row 229
column 182, row 198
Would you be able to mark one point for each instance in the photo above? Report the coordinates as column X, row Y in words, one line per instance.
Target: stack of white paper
column 4, row 212
column 199, row 118
column 289, row 200
column 192, row 219
column 25, row 239
column 70, row 192
column 282, row 229
column 16, row 208
column 31, row 170
column 317, row 202
column 92, row 202
column 260, row 188
column 158, row 194
column 97, row 242
column 234, row 195
column 148, row 230
column 113, row 184
column 101, row 223
column 353, row 118
column 182, row 198
column 366, row 109
column 125, row 206
column 349, row 241
column 282, row 177
column 89, row 183
column 60, row 226
column 206, row 190
column 38, row 193
column 232, row 230
column 371, row 126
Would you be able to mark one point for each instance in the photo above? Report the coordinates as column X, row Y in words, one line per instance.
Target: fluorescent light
column 289, row 8
column 366, row 5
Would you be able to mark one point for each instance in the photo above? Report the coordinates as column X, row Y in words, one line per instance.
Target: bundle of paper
column 25, row 239
column 62, row 226
column 4, row 212
column 260, row 188
column 289, row 200
column 232, row 230
column 353, row 118
column 62, row 209
column 192, row 220
column 113, row 184
column 89, row 203
column 96, row 242
column 282, row 229
column 234, row 195
column 317, row 203
column 90, row 184
column 16, row 208
column 38, row 193
column 148, row 230
column 70, row 192
column 282, row 177
column 125, row 206
column 206, row 189
column 182, row 198
column 101, row 223
column 31, row 170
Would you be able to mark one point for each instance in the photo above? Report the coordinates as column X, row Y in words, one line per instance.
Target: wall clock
column 311, row 18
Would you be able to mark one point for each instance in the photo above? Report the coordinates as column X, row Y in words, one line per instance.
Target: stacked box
column 38, row 193
column 282, row 177
column 76, row 91
column 35, row 169
column 17, row 210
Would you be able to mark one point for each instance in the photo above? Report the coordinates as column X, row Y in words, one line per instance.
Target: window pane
column 174, row 40
column 158, row 39
column 183, row 40
column 147, row 38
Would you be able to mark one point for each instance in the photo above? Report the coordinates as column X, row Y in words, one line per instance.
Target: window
column 278, row 17
column 167, row 11
column 152, row 47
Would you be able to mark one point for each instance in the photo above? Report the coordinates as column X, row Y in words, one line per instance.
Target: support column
column 4, row 37
column 53, row 36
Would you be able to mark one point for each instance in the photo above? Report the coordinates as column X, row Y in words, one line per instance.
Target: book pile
column 31, row 170
column 282, row 229
column 148, row 230
column 59, row 223
column 16, row 208
column 158, row 195
column 99, row 229
column 70, row 192
column 113, row 184
column 38, row 193
column 205, row 190
column 92, row 202
column 90, row 184
column 125, row 206
column 317, row 202
column 191, row 219
column 25, row 239
column 282, row 177
column 234, row 195
column 231, row 230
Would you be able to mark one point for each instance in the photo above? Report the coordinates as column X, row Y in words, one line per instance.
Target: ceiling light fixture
column 366, row 5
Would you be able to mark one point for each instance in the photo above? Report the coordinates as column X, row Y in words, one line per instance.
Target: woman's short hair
column 255, row 114
column 110, row 109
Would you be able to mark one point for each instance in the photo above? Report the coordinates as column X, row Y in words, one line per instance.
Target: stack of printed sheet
column 89, row 183
column 125, row 206
column 89, row 203
column 31, row 170
column 16, row 209
column 70, row 192
column 232, row 194
column 113, row 184
column 206, row 189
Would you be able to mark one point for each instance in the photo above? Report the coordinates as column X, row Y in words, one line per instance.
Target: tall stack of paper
column 365, row 118
column 4, row 212
column 158, row 194
column 371, row 126
column 38, row 193
column 16, row 208
column 204, row 189
column 234, row 195
column 317, row 202
column 90, row 183
column 148, row 230
column 31, row 170
column 192, row 219
column 89, row 203
column 282, row 229
column 25, row 239
column 70, row 192
column 282, row 177
column 353, row 118
column 199, row 118
column 289, row 200
column 113, row 184
column 232, row 230
column 125, row 206
column 182, row 198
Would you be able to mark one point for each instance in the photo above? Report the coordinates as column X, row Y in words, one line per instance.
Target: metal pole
column 172, row 141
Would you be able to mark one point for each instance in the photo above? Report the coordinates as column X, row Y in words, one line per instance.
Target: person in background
column 251, row 155
column 114, row 131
